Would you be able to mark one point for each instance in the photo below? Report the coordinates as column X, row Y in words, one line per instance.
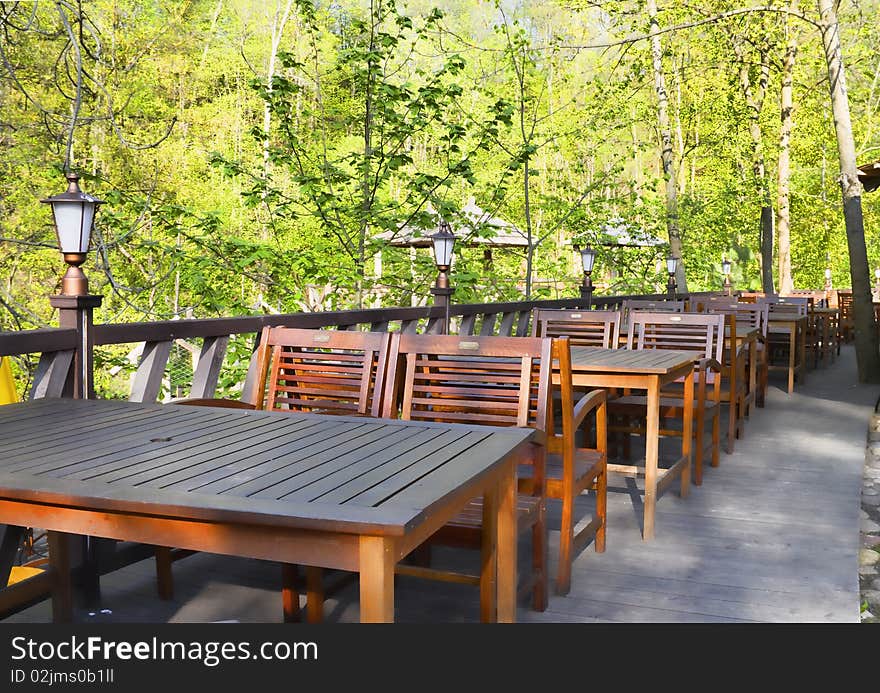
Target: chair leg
column 289, row 593
column 716, row 435
column 164, row 576
column 601, row 508
column 698, row 446
column 731, row 423
column 566, row 537
column 540, row 595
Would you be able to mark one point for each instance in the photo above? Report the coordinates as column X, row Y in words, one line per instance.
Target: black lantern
column 671, row 266
column 74, row 215
column 725, row 270
column 443, row 242
column 588, row 257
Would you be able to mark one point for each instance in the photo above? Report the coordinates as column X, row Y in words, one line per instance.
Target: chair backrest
column 755, row 296
column 702, row 333
column 755, row 314
column 816, row 297
column 655, row 306
column 331, row 371
column 598, row 328
column 707, row 304
column 494, row 381
column 845, row 306
column 787, row 305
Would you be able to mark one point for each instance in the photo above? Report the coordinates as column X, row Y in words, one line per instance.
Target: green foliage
column 253, row 166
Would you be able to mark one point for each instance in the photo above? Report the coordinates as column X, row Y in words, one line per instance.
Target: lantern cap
column 73, row 193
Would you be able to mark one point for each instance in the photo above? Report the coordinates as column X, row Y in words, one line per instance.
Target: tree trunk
column 783, row 214
column 278, row 22
column 867, row 354
column 666, row 153
column 755, row 103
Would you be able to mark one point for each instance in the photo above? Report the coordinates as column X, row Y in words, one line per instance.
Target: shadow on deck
column 771, row 535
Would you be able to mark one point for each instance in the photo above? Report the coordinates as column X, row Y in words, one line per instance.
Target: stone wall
column 869, row 555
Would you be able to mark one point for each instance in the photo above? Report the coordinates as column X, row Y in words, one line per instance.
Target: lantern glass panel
column 73, row 222
column 588, row 258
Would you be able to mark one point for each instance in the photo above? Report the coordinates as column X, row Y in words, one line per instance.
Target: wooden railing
column 56, row 347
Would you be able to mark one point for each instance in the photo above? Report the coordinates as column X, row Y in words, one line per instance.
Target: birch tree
column 666, row 153
column 867, row 354
column 786, row 116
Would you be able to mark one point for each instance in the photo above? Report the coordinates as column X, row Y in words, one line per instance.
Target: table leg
column 652, row 450
column 802, row 351
column 687, row 433
column 792, row 353
column 376, row 579
column 489, row 556
column 506, row 547
column 62, row 591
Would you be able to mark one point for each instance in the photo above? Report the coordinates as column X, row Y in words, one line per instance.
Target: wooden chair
column 598, row 328
column 500, row 381
column 701, row 334
column 304, row 370
column 734, row 378
column 846, row 320
column 756, row 315
column 778, row 340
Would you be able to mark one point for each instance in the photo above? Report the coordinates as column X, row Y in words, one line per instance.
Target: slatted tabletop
column 300, row 470
column 650, row 361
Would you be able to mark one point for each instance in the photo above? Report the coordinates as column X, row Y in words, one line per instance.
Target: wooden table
column 352, row 493
column 649, row 370
column 794, row 326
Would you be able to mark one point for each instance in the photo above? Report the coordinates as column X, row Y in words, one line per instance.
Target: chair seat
column 587, row 464
column 470, row 519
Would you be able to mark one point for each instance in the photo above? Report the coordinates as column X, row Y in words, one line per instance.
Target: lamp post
column 588, row 257
column 671, row 265
column 725, row 270
column 73, row 212
column 827, row 278
column 443, row 242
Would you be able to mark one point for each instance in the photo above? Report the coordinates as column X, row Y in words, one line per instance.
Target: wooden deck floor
column 772, row 535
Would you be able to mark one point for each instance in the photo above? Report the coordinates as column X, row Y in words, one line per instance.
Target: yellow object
column 20, row 573
column 8, row 395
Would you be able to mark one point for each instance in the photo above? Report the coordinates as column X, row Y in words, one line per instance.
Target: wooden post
column 442, row 299
column 77, row 312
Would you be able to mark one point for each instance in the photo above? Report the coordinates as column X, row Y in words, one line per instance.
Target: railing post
column 77, row 312
column 442, row 299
